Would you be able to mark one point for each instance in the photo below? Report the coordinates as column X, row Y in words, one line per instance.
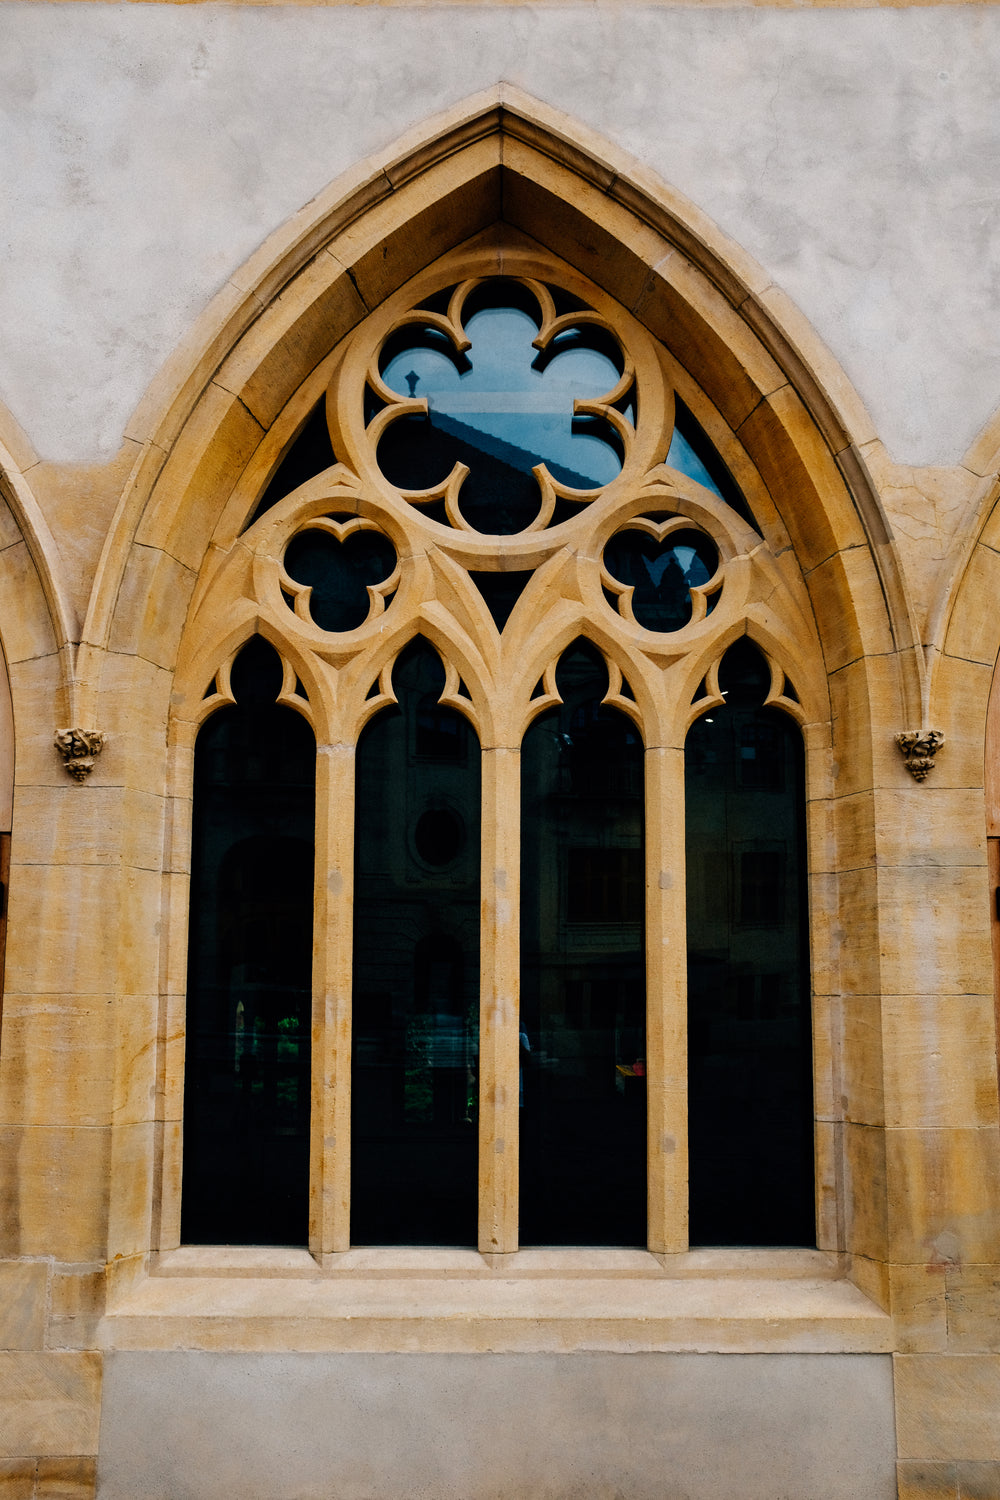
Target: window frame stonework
column 500, row 171
column 491, row 679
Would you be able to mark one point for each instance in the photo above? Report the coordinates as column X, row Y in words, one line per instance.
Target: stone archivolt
column 500, row 192
column 491, row 678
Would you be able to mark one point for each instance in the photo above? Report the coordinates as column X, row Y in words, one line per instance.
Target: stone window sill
column 447, row 1301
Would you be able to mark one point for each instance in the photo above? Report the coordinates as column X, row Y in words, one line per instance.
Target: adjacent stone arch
column 36, row 695
column 38, row 632
column 42, row 604
column 967, row 673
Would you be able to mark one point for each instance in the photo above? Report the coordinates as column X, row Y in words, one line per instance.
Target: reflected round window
column 439, row 836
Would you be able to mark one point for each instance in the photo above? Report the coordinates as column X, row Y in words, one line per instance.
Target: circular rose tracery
column 506, row 388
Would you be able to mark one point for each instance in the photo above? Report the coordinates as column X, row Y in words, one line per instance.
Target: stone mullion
column 666, row 994
column 499, row 1057
column 333, row 919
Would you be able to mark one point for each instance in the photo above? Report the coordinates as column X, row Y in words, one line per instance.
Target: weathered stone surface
column 49, row 1404
column 58, row 1059
column 919, row 1307
column 23, row 1289
column 17, row 1478
column 940, row 1060
column 946, row 1406
column 77, row 1304
column 58, row 927
column 925, row 1479
column 972, row 1298
column 52, row 1193
column 942, row 1206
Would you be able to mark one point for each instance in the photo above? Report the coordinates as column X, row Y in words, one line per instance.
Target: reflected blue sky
column 683, row 457
column 503, row 397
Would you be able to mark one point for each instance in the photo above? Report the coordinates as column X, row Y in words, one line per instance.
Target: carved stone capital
column 79, row 749
column 918, row 748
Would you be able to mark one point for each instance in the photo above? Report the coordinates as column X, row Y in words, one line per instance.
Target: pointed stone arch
column 497, row 172
column 502, row 164
column 967, row 674
column 38, row 628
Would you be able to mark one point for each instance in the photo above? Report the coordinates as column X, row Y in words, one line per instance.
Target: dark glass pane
column 414, row 1096
column 604, row 885
column 249, row 1011
column 339, row 573
column 749, row 1038
column 744, row 676
column 501, row 592
column 439, row 732
column 661, row 574
column 439, row 836
column 693, row 453
column 310, row 453
column 256, row 675
column 501, row 410
column 583, row 987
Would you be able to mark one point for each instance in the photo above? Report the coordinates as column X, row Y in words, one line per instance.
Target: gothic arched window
column 508, row 584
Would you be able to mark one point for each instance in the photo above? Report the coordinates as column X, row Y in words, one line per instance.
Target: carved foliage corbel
column 918, row 748
column 79, row 749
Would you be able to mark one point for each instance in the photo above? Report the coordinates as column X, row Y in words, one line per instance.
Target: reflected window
column 414, row 1093
column 249, row 1009
column 500, row 408
column 438, row 732
column 693, row 453
column 583, row 987
column 660, row 574
column 749, row 1034
column 604, row 885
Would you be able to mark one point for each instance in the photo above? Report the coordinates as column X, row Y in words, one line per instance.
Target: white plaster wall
column 146, row 150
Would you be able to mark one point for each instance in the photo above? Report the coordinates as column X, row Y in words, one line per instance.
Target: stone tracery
column 653, row 567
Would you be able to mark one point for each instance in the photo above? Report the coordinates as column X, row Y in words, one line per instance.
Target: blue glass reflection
column 501, row 410
column 683, row 457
